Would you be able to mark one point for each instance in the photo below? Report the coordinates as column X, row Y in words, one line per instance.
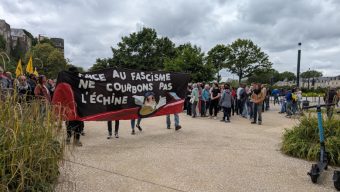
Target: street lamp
column 2, row 54
column 298, row 66
column 308, row 77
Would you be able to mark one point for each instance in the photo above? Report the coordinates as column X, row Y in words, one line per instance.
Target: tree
column 217, row 56
column 266, row 76
column 311, row 74
column 286, row 75
column 48, row 60
column 189, row 59
column 245, row 58
column 103, row 64
column 143, row 50
column 2, row 43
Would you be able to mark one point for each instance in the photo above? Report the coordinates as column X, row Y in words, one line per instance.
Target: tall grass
column 31, row 145
column 303, row 140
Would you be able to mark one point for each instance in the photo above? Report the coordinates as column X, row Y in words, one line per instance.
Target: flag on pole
column 29, row 67
column 35, row 72
column 18, row 70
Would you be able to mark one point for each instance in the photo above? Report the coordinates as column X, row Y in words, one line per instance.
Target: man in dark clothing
column 331, row 97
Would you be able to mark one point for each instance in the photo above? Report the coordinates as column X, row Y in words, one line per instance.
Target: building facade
column 20, row 40
column 321, row 82
column 5, row 31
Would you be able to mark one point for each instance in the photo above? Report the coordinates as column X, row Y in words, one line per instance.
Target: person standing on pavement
column 331, row 97
column 133, row 122
column 257, row 98
column 205, row 99
column 194, row 100
column 225, row 103
column 176, row 118
column 215, row 96
column 109, row 129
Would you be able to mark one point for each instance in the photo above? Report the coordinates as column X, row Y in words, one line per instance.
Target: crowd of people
column 202, row 99
column 209, row 99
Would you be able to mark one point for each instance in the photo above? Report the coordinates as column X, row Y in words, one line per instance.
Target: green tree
column 2, row 43
column 48, row 60
column 245, row 58
column 142, row 50
column 265, row 76
column 311, row 74
column 287, row 75
column 216, row 57
column 103, row 64
column 189, row 59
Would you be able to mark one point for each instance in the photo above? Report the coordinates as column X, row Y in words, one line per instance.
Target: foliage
column 142, row 50
column 217, row 56
column 265, row 76
column 31, row 146
column 311, row 74
column 2, row 43
column 286, row 75
column 189, row 59
column 303, row 140
column 52, row 59
column 245, row 58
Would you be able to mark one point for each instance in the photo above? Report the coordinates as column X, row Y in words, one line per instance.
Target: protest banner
column 119, row 94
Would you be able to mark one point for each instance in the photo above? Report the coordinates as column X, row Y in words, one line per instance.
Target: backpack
column 294, row 97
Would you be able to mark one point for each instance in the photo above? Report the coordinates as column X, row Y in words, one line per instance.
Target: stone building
column 58, row 43
column 5, row 31
column 21, row 40
column 322, row 82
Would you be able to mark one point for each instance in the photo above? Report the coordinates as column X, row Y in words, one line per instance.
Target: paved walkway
column 205, row 156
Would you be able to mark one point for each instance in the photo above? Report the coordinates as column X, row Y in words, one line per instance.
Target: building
column 5, row 31
column 321, row 82
column 58, row 43
column 21, row 40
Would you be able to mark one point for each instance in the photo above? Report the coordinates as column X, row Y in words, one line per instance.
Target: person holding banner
column 109, row 128
column 168, row 122
column 133, row 121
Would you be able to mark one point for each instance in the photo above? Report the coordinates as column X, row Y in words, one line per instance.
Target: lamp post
column 308, row 77
column 298, row 66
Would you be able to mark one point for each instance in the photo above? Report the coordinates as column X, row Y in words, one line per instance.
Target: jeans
column 188, row 108
column 245, row 110
column 168, row 121
column 133, row 121
column 258, row 112
column 109, row 126
column 289, row 109
column 239, row 106
column 226, row 113
column 213, row 106
column 193, row 108
column 204, row 107
column 276, row 99
column 251, row 109
column 283, row 107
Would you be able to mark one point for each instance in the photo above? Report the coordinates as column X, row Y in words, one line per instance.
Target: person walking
column 205, row 100
column 215, row 95
column 176, row 118
column 133, row 122
column 240, row 94
column 194, row 100
column 188, row 97
column 109, row 129
column 257, row 98
column 234, row 104
column 225, row 103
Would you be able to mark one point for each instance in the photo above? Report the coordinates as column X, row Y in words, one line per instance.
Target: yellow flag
column 18, row 71
column 29, row 67
column 35, row 72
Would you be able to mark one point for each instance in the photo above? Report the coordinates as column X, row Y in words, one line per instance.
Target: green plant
column 303, row 140
column 31, row 145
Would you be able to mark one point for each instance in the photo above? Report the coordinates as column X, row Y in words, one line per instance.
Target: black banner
column 127, row 93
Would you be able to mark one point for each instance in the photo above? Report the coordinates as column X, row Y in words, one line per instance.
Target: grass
column 31, row 145
column 302, row 141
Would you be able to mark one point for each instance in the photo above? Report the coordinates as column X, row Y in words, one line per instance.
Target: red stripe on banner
column 64, row 97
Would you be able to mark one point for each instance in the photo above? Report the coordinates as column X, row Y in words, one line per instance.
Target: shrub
column 303, row 140
column 31, row 146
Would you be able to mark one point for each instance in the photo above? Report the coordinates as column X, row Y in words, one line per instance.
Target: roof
column 17, row 32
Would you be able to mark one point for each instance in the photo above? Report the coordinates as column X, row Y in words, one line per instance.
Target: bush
column 303, row 140
column 31, row 146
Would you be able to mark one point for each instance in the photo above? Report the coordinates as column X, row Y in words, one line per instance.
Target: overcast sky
column 91, row 27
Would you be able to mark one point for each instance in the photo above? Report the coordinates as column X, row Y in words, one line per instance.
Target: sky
column 91, row 27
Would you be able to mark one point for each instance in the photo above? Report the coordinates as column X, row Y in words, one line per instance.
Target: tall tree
column 290, row 76
column 189, row 59
column 143, row 50
column 266, row 76
column 311, row 74
column 48, row 60
column 217, row 57
column 245, row 58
